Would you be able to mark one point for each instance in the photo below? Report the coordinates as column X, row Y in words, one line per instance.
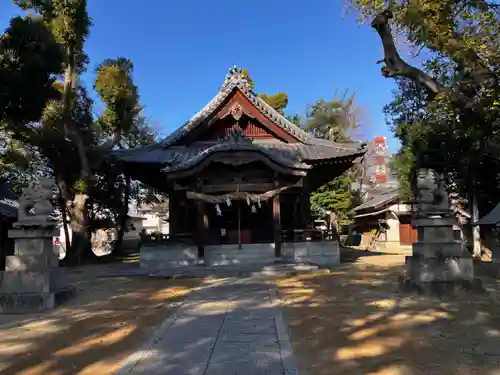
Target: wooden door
column 407, row 234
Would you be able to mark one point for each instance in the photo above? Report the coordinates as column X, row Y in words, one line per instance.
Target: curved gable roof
column 170, row 150
column 236, row 80
column 235, row 141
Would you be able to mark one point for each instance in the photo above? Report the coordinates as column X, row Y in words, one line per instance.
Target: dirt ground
column 95, row 331
column 355, row 321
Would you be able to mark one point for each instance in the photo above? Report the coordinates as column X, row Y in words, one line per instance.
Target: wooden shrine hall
column 239, row 173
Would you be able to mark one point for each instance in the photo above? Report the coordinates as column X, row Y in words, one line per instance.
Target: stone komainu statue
column 430, row 192
column 35, row 206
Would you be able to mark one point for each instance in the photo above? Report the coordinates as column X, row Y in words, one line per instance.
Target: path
column 230, row 326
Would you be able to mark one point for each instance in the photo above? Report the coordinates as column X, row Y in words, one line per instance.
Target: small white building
column 386, row 206
column 383, row 208
column 154, row 217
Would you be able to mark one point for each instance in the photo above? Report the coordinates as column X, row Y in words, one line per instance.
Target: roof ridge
column 237, row 80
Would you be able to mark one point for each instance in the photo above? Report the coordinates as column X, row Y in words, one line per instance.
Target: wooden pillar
column 305, row 207
column 202, row 224
column 3, row 245
column 277, row 225
column 173, row 215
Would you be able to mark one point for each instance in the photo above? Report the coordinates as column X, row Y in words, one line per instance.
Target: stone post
column 438, row 261
column 32, row 280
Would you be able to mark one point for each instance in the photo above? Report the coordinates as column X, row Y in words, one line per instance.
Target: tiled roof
column 307, row 149
column 238, row 142
column 378, row 201
column 8, row 201
column 180, row 154
column 491, row 218
column 237, row 80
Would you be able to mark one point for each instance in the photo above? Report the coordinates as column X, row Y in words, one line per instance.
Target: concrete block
column 247, row 354
column 33, row 233
column 156, row 258
column 434, row 222
column 38, row 262
column 18, row 303
column 24, row 303
column 34, row 246
column 26, row 281
column 263, row 326
column 253, row 367
column 436, row 234
column 424, row 270
column 232, row 254
column 32, row 280
column 324, row 253
column 439, row 249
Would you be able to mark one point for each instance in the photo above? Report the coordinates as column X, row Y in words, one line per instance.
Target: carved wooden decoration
column 236, row 111
column 250, row 129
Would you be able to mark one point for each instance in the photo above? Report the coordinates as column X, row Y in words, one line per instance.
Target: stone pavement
column 227, row 327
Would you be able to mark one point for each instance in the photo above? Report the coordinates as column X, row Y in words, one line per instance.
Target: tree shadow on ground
column 93, row 332
column 351, row 254
column 355, row 321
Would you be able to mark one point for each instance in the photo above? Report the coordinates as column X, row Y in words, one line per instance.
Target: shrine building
column 239, row 177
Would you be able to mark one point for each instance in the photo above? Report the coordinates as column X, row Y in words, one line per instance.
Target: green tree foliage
column 447, row 113
column 121, row 120
column 456, row 129
column 30, row 59
column 115, row 85
column 334, row 120
column 336, row 196
column 402, row 164
column 278, row 101
column 50, row 125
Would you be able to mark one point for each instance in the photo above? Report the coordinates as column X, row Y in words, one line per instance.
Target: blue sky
column 182, row 50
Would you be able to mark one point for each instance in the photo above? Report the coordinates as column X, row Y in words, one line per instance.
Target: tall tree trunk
column 78, row 210
column 64, row 216
column 79, row 228
column 476, row 230
column 122, row 218
column 63, row 204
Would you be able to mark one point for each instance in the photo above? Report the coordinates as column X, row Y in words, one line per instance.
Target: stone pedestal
column 32, row 280
column 438, row 262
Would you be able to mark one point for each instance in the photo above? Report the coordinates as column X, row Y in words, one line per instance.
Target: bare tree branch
column 395, row 66
column 478, row 78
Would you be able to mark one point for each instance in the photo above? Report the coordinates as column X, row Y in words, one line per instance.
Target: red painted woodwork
column 223, row 127
column 246, row 236
column 259, row 126
column 407, row 234
column 381, row 178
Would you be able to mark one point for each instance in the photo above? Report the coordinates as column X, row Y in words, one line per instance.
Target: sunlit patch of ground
column 355, row 321
column 94, row 332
